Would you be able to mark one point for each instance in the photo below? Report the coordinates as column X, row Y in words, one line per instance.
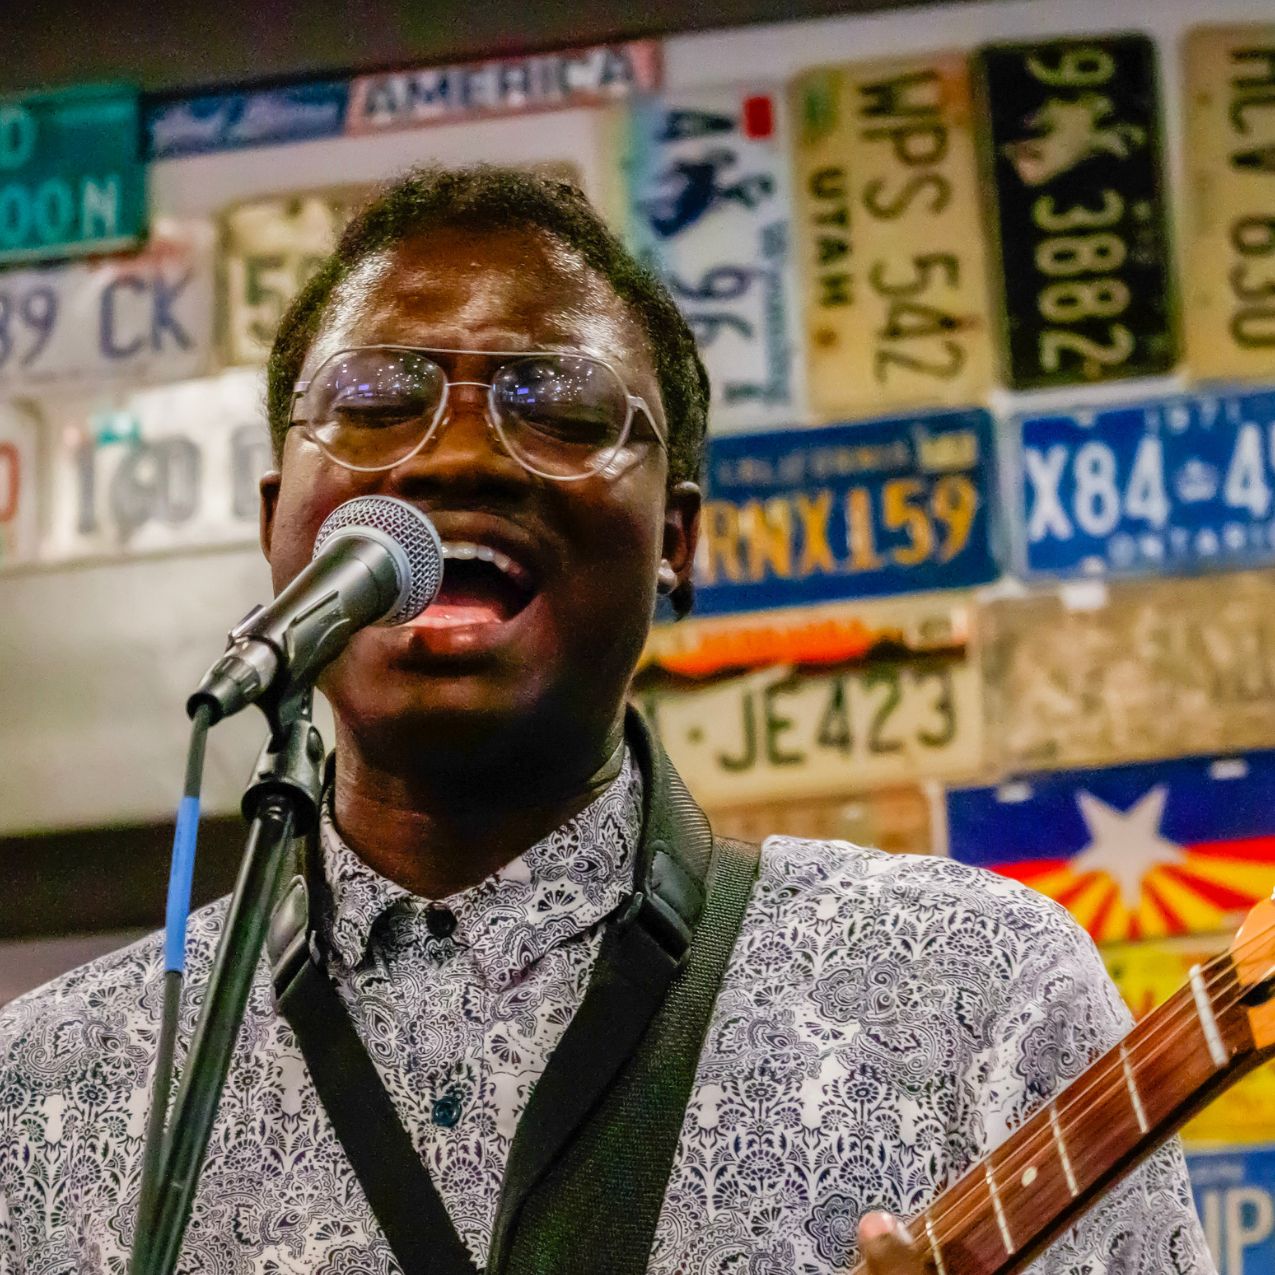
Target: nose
column 464, row 456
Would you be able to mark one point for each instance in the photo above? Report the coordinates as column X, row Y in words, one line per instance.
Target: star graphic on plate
column 1126, row 844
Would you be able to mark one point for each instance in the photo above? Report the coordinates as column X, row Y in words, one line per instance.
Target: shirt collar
column 560, row 887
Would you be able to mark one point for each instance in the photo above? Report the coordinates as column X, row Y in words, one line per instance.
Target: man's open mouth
column 481, row 585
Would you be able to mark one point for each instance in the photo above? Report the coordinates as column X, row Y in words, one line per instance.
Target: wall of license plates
column 987, row 295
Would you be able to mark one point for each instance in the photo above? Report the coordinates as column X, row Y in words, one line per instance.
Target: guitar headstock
column 1253, row 957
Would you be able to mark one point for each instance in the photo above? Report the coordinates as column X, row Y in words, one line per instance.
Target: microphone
column 377, row 560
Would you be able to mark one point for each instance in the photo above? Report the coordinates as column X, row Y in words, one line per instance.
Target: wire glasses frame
column 599, row 461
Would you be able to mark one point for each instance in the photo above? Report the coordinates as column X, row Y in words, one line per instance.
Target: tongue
column 472, row 595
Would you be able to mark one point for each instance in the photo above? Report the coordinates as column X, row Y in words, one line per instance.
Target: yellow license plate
column 889, row 236
column 1155, row 669
column 1147, row 974
column 782, row 733
column 1230, row 224
column 897, row 819
column 270, row 248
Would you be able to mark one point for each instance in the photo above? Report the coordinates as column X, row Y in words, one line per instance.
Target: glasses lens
column 370, row 408
column 562, row 414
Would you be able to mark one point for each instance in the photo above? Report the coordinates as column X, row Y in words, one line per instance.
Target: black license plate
column 1073, row 145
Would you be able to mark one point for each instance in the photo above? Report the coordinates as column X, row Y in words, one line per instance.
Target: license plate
column 1147, row 974
column 896, row 819
column 270, row 248
column 1235, row 1196
column 710, row 211
column 1230, row 157
column 18, row 512
column 889, row 236
column 1155, row 664
column 1133, row 852
column 1081, row 209
column 832, row 634
column 1166, row 485
column 846, row 511
column 135, row 317
column 787, row 732
column 166, row 468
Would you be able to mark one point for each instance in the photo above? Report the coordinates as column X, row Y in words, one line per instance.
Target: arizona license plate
column 897, row 819
column 710, row 210
column 166, row 468
column 1133, row 852
column 1230, row 156
column 1167, row 485
column 18, row 511
column 1154, row 665
column 270, row 248
column 1148, row 974
column 1081, row 209
column 889, row 236
column 133, row 317
column 789, row 732
column 847, row 511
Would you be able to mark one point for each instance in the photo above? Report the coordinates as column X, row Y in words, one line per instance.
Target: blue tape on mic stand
column 180, row 876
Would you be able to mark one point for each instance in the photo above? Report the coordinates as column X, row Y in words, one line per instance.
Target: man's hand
column 887, row 1247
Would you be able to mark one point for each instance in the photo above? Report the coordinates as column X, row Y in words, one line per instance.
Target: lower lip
column 431, row 636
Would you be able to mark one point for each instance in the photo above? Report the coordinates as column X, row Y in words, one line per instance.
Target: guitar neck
column 1011, row 1204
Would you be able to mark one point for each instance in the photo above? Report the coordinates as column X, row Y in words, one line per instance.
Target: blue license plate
column 1170, row 485
column 847, row 511
column 1234, row 1191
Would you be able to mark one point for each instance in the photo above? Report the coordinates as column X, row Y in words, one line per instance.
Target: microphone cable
column 176, row 918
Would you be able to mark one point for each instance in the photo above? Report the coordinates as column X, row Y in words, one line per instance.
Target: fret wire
column 1061, row 1147
column 997, row 1207
column 1131, row 1085
column 1204, row 1010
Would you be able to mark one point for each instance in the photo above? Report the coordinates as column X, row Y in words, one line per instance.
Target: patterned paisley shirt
column 883, row 1022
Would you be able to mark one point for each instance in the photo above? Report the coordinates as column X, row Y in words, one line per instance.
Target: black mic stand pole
column 282, row 803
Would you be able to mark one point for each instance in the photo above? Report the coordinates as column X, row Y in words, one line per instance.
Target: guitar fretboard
column 1007, row 1207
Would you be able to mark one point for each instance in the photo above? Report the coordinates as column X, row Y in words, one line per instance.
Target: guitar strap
column 594, row 1148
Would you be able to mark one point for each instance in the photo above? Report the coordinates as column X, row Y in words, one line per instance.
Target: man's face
column 539, row 658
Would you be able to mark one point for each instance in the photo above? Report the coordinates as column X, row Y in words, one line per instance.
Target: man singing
column 597, row 1039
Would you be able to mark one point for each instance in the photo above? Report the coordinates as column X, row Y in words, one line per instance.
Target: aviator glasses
column 560, row 416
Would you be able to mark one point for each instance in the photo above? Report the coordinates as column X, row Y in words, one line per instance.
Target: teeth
column 466, row 549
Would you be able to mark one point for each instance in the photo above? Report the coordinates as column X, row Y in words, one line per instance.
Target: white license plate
column 710, row 209
column 1230, row 223
column 270, row 248
column 889, row 236
column 134, row 317
column 171, row 467
column 18, row 490
column 1155, row 670
column 897, row 819
column 778, row 734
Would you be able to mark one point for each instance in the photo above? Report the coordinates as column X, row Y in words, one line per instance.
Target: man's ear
column 681, row 528
column 269, row 503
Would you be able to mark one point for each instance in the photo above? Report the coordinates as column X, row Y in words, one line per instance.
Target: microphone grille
column 410, row 530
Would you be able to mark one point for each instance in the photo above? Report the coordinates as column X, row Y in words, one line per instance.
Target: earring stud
column 666, row 577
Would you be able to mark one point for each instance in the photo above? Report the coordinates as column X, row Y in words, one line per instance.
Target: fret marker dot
column 1029, row 1176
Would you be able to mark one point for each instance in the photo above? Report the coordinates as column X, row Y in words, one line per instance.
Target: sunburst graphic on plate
column 1131, row 881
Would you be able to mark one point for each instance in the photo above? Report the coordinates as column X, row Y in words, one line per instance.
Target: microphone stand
column 281, row 803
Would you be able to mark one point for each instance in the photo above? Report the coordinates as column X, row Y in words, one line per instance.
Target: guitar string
column 1165, row 1034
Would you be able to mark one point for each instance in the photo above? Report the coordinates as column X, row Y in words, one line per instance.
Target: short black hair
column 487, row 197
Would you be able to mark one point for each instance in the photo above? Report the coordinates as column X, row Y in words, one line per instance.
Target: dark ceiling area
column 169, row 44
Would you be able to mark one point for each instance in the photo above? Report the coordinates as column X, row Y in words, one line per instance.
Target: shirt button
column 440, row 922
column 446, row 1110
